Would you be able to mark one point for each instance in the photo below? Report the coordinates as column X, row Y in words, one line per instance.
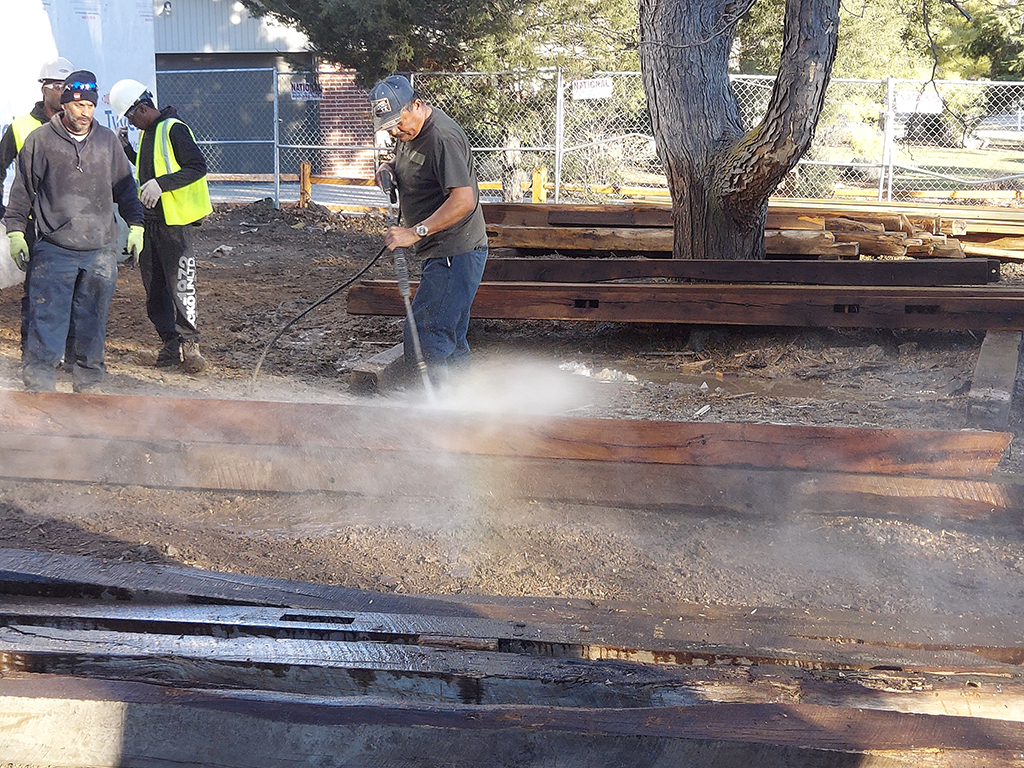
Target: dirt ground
column 259, row 267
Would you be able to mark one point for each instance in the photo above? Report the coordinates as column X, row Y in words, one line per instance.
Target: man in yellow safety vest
column 51, row 78
column 171, row 174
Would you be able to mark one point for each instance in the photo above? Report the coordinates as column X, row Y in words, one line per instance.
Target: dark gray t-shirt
column 436, row 161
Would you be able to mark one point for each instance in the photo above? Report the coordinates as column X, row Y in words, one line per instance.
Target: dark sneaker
column 191, row 359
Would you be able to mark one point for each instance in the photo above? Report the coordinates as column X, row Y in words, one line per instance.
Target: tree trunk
column 720, row 176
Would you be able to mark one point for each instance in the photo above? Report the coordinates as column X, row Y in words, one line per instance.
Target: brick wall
column 345, row 121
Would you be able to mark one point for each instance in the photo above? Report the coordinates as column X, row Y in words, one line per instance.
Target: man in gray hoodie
column 70, row 173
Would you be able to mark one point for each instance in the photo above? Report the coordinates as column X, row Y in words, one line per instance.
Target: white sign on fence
column 594, row 88
column 919, row 102
column 304, row 91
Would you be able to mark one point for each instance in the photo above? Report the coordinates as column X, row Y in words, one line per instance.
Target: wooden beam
column 391, row 475
column 876, row 244
column 610, row 216
column 866, row 272
column 992, row 385
column 197, row 423
column 719, row 304
column 381, row 372
column 107, row 724
column 305, row 185
column 847, row 224
column 987, row 251
column 581, row 238
column 808, row 242
column 951, row 249
column 649, row 240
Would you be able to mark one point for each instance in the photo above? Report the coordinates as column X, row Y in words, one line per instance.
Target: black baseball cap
column 388, row 97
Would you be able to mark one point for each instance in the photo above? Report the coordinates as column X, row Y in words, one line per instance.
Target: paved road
column 324, row 194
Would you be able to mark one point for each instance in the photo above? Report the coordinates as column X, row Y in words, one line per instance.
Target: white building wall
column 218, row 26
column 111, row 38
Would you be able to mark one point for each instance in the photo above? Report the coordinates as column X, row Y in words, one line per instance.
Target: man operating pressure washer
column 444, row 225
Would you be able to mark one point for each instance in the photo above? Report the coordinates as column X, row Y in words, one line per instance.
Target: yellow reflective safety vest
column 191, row 202
column 22, row 127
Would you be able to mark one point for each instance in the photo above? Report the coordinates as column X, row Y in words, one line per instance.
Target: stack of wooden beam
column 816, row 274
column 806, row 230
column 968, row 230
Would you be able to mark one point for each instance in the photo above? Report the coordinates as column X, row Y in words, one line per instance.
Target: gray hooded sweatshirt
column 71, row 187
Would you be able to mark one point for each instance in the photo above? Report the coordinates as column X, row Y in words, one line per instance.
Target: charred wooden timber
column 982, row 308
column 285, row 673
column 890, row 272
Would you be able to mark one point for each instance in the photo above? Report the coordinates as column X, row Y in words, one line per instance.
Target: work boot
column 191, row 360
column 169, row 354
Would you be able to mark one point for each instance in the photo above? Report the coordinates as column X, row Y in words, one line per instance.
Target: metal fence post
column 885, row 177
column 277, row 144
column 559, row 133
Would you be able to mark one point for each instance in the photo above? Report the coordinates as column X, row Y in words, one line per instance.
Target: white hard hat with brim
column 56, row 70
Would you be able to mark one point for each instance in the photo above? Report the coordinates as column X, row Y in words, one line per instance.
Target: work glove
column 134, row 246
column 150, row 193
column 19, row 250
column 122, row 135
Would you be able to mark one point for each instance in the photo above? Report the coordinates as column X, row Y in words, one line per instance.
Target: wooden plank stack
column 794, row 229
column 893, row 267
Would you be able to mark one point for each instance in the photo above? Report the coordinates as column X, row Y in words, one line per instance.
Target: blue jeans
column 441, row 308
column 67, row 287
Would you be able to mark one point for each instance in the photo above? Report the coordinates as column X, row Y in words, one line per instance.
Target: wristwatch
column 421, row 230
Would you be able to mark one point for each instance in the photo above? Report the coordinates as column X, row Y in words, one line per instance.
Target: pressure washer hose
column 307, row 310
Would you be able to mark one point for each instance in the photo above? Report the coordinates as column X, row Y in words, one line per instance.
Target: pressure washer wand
column 404, row 289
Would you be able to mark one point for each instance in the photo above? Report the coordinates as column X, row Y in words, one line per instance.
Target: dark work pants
column 168, row 269
column 67, row 287
column 441, row 308
column 69, row 346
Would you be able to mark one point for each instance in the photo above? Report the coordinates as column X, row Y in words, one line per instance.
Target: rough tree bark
column 720, row 175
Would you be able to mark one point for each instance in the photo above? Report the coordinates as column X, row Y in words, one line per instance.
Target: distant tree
column 576, row 35
column 994, row 37
column 877, row 39
column 380, row 37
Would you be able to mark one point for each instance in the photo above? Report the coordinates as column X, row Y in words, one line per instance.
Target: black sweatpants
column 168, row 268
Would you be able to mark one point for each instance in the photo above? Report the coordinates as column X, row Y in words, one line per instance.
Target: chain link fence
column 539, row 135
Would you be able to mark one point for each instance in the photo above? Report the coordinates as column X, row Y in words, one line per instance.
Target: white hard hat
column 126, row 93
column 58, row 69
